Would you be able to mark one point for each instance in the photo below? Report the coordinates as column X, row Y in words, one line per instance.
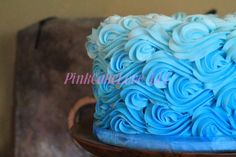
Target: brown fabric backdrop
column 46, row 51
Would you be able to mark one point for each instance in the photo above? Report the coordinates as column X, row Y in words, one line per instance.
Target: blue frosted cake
column 165, row 83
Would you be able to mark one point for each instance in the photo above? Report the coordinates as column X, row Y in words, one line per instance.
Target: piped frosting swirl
column 172, row 75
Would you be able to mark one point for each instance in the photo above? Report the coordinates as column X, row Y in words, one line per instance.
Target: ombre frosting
column 185, row 69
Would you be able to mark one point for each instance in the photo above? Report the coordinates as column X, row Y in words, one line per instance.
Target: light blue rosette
column 210, row 21
column 230, row 21
column 111, row 39
column 143, row 43
column 131, row 22
column 165, row 22
column 230, row 46
column 119, row 62
column 196, row 38
column 91, row 46
column 109, row 33
column 123, row 69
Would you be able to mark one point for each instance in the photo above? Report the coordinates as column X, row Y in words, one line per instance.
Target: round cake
column 165, row 82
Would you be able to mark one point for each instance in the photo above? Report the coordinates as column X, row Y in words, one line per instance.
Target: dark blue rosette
column 186, row 95
column 160, row 69
column 123, row 119
column 162, row 120
column 211, row 122
column 214, row 70
column 226, row 97
column 138, row 96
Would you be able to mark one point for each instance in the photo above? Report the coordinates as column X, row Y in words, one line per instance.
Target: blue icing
column 110, row 33
column 210, row 122
column 119, row 62
column 185, row 69
column 194, row 40
column 167, row 66
column 166, row 22
column 130, row 22
column 232, row 120
column 139, row 96
column 208, row 20
column 145, row 42
column 161, row 120
column 230, row 21
column 230, row 46
column 101, row 110
column 92, row 47
column 214, row 70
column 126, row 120
column 226, row 97
column 123, row 68
column 186, row 95
column 107, row 92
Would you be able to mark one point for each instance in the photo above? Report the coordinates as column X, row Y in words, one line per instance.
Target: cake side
column 165, row 76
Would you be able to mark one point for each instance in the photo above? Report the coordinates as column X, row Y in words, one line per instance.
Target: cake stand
column 80, row 122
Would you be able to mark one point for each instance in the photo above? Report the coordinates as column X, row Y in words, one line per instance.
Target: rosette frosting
column 139, row 96
column 186, row 95
column 230, row 47
column 214, row 70
column 122, row 68
column 172, row 76
column 196, row 37
column 145, row 42
column 123, row 119
column 167, row 66
column 161, row 120
column 211, row 122
column 226, row 97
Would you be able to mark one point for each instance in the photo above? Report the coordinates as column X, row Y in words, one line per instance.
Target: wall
column 16, row 14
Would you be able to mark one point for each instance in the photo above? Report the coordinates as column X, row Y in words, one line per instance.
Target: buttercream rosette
column 182, row 70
